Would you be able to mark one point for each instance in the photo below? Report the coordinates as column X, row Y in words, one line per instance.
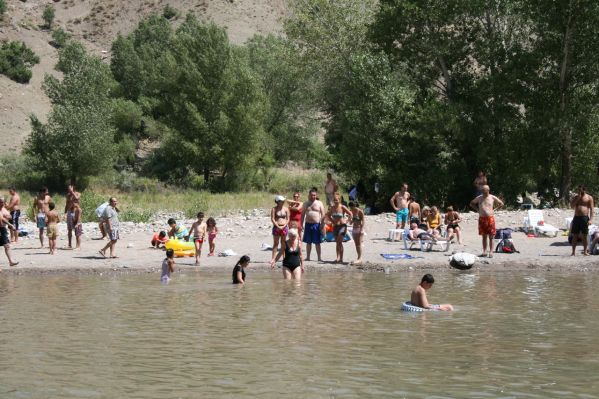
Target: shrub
column 59, row 38
column 48, row 16
column 2, row 7
column 89, row 202
column 18, row 172
column 135, row 215
column 16, row 59
column 170, row 12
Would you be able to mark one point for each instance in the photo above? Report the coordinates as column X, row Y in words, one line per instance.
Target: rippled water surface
column 334, row 335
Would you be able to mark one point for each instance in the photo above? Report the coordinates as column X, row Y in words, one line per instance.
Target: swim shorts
column 79, row 230
column 70, row 217
column 14, row 218
column 114, row 234
column 401, row 215
column 199, row 240
column 312, row 233
column 486, row 225
column 339, row 230
column 580, row 225
column 4, row 240
column 277, row 231
column 52, row 231
column 41, row 220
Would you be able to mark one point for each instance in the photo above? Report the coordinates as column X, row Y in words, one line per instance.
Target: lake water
column 334, row 335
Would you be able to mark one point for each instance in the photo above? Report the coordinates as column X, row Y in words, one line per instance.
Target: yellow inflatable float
column 181, row 248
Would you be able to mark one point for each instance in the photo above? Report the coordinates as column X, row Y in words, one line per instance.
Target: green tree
column 78, row 140
column 48, row 16
column 59, row 37
column 2, row 8
column 16, row 61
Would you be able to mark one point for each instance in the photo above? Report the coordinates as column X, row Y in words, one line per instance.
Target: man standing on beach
column 110, row 217
column 583, row 205
column 4, row 237
column 40, row 208
column 312, row 215
column 485, row 204
column 72, row 196
column 330, row 188
column 14, row 207
column 399, row 202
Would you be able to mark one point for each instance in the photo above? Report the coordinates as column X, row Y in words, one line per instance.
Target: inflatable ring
column 181, row 254
column 408, row 307
column 179, row 245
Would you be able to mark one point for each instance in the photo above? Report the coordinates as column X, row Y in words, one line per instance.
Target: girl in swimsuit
column 293, row 262
column 212, row 231
column 279, row 216
column 337, row 215
column 295, row 212
column 358, row 228
column 452, row 218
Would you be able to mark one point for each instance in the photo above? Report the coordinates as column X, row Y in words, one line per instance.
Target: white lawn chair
column 536, row 223
column 395, row 234
column 425, row 245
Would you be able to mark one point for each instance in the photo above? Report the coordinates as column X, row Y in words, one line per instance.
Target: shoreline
column 247, row 234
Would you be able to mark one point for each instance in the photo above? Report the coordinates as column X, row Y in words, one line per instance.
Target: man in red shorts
column 485, row 204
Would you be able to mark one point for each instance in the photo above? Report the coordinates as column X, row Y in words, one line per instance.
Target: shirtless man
column 479, row 182
column 77, row 226
column 5, row 225
column 399, row 202
column 40, row 208
column 419, row 298
column 485, row 204
column 312, row 214
column 330, row 188
column 583, row 206
column 70, row 197
column 414, row 210
column 52, row 220
column 14, row 207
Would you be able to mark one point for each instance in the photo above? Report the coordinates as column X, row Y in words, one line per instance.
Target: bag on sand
column 462, row 260
column 506, row 246
column 500, row 234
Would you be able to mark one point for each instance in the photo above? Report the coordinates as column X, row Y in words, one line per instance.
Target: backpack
column 501, row 234
column 506, row 246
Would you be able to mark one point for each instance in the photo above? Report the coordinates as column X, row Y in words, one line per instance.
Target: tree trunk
column 565, row 131
column 206, row 175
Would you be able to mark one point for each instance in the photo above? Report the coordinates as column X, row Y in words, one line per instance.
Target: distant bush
column 2, row 7
column 89, row 202
column 59, row 38
column 170, row 12
column 16, row 59
column 48, row 16
column 18, row 172
column 135, row 215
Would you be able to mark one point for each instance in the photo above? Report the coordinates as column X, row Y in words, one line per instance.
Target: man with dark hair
column 399, row 203
column 40, row 208
column 312, row 215
column 14, row 207
column 419, row 298
column 5, row 225
column 583, row 205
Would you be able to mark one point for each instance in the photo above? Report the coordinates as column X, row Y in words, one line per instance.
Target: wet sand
column 245, row 233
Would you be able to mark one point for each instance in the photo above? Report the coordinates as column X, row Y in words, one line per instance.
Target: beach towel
column 397, row 256
column 227, row 252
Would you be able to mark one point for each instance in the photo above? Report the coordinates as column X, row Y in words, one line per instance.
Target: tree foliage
column 16, row 61
column 48, row 16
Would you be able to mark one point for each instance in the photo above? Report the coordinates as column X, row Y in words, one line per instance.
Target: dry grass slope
column 96, row 23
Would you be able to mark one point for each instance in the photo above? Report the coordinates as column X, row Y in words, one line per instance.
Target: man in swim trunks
column 583, row 205
column 14, row 207
column 414, row 210
column 5, row 225
column 110, row 218
column 312, row 215
column 418, row 297
column 69, row 211
column 399, row 202
column 485, row 204
column 330, row 188
column 40, row 208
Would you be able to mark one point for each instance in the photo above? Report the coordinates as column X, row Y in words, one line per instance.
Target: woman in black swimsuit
column 293, row 262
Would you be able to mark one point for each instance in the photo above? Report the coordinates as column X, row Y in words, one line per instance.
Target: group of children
column 168, row 267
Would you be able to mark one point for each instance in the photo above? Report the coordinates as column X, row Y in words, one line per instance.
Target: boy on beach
column 77, row 226
column 198, row 230
column 419, row 298
column 52, row 220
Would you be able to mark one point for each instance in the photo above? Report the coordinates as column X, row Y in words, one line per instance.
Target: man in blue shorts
column 399, row 202
column 312, row 215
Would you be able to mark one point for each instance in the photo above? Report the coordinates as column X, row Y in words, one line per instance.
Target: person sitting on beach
column 168, row 266
column 52, row 220
column 423, row 223
column 434, row 219
column 293, row 260
column 238, row 274
column 198, row 230
column 338, row 215
column 159, row 239
column 177, row 231
column 452, row 218
column 418, row 297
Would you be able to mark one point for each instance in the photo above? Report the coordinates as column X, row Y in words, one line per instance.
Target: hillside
column 96, row 23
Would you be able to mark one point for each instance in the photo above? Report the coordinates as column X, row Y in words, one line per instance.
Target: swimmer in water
column 419, row 298
column 168, row 266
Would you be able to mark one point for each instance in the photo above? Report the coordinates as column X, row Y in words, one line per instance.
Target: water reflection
column 327, row 335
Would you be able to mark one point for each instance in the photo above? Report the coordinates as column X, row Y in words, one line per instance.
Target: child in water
column 238, row 272
column 168, row 266
column 212, row 231
column 419, row 298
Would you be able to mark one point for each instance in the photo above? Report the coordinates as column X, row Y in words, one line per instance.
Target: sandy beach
column 245, row 232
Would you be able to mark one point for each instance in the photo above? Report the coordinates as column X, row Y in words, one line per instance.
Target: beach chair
column 425, row 245
column 395, row 234
column 535, row 223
